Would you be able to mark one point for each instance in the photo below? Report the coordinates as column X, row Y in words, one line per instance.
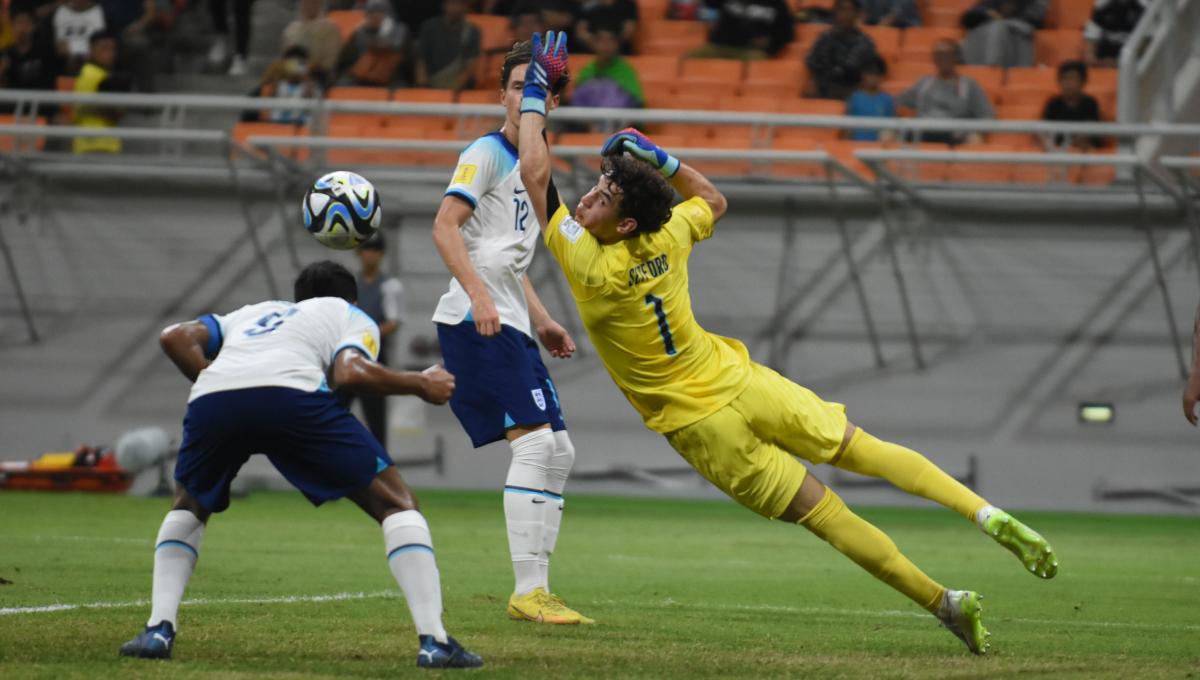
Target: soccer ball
column 342, row 210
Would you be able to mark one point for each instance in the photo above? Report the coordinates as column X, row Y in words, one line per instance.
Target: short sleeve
column 216, row 334
column 359, row 332
column 475, row 173
column 577, row 251
column 691, row 220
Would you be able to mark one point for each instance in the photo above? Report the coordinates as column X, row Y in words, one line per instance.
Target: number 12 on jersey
column 664, row 328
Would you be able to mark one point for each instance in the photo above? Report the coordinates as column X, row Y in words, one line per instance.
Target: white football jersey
column 500, row 236
column 282, row 344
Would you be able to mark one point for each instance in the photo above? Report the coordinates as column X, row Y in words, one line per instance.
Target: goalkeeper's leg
column 916, row 474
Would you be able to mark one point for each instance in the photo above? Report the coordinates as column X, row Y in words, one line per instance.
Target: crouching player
column 741, row 425
column 263, row 376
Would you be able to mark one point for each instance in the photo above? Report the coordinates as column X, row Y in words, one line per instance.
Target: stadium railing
column 1154, row 58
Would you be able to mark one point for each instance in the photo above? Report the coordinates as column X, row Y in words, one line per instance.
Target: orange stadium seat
column 243, row 131
column 794, row 168
column 774, row 78
column 593, row 140
column 423, row 96
column 844, row 150
column 349, row 157
column 1033, row 98
column 929, row 171
column 715, row 73
column 674, row 38
column 1053, row 47
column 1069, row 15
column 745, row 104
column 945, row 13
column 657, row 73
column 1099, row 175
column 487, row 70
column 990, row 78
column 8, row 144
column 358, row 94
column 886, row 39
column 727, row 139
column 981, row 172
column 917, row 44
column 488, row 96
column 495, row 33
column 347, row 20
column 652, row 10
column 909, row 72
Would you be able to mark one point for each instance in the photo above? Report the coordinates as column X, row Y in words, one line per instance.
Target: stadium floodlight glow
column 1097, row 413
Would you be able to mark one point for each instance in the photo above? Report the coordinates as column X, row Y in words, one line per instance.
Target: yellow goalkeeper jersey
column 634, row 301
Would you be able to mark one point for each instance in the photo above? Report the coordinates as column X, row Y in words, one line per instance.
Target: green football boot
column 1028, row 545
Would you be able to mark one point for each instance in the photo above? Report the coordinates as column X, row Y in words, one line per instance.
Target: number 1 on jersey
column 664, row 328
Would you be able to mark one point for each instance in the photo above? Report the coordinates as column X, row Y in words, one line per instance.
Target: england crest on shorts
column 539, row 398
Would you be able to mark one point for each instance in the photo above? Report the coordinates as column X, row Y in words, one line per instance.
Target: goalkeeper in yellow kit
column 741, row 425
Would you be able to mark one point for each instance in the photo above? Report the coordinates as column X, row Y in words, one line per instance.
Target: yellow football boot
column 539, row 606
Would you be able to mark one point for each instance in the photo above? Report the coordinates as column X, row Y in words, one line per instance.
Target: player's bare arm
column 689, row 183
column 184, row 343
column 553, row 336
column 451, row 216
column 354, row 371
column 1191, row 393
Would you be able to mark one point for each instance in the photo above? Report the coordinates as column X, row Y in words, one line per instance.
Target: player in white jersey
column 486, row 234
column 262, row 384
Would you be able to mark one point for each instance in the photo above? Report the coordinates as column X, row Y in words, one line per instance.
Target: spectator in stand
column 839, row 55
column 747, row 29
column 414, row 13
column 894, row 13
column 375, row 51
column 447, row 48
column 1072, row 104
column 525, row 20
column 319, row 36
column 610, row 80
column 1109, row 27
column 97, row 75
column 1000, row 32
column 6, row 29
column 948, row 94
column 144, row 27
column 74, row 23
column 219, row 9
column 561, row 15
column 289, row 77
column 31, row 62
column 870, row 101
column 615, row 16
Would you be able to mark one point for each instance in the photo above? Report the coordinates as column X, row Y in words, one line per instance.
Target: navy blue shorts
column 315, row 442
column 499, row 382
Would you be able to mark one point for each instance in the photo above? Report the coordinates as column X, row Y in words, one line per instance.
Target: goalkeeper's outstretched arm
column 684, row 178
column 689, row 182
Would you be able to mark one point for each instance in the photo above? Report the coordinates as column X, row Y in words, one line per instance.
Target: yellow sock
column 908, row 471
column 871, row 549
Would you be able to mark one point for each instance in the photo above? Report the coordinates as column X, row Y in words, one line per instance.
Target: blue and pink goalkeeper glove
column 547, row 66
column 641, row 147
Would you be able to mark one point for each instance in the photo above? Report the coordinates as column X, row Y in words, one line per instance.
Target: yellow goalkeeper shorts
column 748, row 449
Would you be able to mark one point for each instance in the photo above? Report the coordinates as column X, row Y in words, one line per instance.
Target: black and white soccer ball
column 342, row 210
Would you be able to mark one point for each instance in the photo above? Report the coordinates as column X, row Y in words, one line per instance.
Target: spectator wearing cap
column 447, row 48
column 1072, row 104
column 839, row 55
column 375, row 51
column 1000, row 32
column 1110, row 25
column 614, row 16
column 948, row 94
column 319, row 37
column 747, row 29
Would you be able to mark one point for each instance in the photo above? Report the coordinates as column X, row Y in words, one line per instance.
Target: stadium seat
column 1033, row 98
column 843, row 151
column 811, row 107
column 593, row 140
column 966, row 171
column 241, row 132
column 487, row 70
column 349, row 158
column 495, row 33
column 9, row 144
column 806, row 36
column 1053, row 47
column 886, row 39
column 489, row 96
column 652, row 10
column 909, row 72
column 990, row 78
column 944, row 14
column 1023, row 141
column 723, row 74
column 674, row 38
column 423, row 96
column 1069, row 15
column 746, row 104
column 922, row 171
column 358, row 94
column 347, row 21
column 657, row 73
column 727, row 139
column 774, row 78
column 794, row 168
column 1029, row 85
column 1098, row 175
column 917, row 44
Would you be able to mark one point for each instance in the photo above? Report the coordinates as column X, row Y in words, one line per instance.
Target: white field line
column 287, row 599
column 786, row 609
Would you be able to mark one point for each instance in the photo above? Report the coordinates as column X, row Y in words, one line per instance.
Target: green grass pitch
column 686, row 589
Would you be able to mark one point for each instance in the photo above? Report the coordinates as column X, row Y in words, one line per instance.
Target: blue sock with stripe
column 410, row 557
column 175, row 554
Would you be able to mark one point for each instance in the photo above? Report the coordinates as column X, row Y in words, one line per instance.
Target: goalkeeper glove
column 547, row 66
column 640, row 147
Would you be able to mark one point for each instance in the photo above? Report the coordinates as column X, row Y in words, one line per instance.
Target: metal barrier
column 1153, row 58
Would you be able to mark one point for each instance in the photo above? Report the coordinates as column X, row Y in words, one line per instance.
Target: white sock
column 556, row 481
column 410, row 557
column 524, row 505
column 983, row 514
column 175, row 552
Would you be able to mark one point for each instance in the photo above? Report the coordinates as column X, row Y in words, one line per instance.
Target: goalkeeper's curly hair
column 645, row 195
column 522, row 53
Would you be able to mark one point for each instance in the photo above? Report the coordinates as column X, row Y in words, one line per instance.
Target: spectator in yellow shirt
column 96, row 76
